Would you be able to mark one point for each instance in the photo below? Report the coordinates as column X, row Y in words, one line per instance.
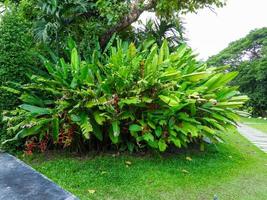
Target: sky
column 209, row 33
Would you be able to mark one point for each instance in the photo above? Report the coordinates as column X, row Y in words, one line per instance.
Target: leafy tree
column 103, row 17
column 248, row 56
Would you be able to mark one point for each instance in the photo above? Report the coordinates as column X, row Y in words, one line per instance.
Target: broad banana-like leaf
column 11, row 90
column 194, row 77
column 116, row 128
column 149, row 60
column 162, row 145
column 190, row 128
column 230, row 104
column 128, row 101
column 99, row 117
column 148, row 137
column 24, row 133
column 113, row 138
column 208, row 130
column 242, row 98
column 65, row 68
column 132, row 51
column 164, row 52
column 32, row 99
column 55, row 129
column 170, row 75
column 179, row 53
column 34, row 130
column 75, row 61
column 176, row 141
column 135, row 128
column 220, row 80
column 84, row 72
column 36, row 110
column 97, row 131
column 171, row 101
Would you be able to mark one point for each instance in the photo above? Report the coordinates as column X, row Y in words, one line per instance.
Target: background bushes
column 16, row 57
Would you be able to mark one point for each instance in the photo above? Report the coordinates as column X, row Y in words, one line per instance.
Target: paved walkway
column 18, row 181
column 255, row 136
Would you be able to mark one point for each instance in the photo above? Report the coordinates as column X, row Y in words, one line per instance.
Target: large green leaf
column 162, row 145
column 171, row 101
column 116, row 128
column 197, row 76
column 55, row 127
column 75, row 61
column 97, row 131
column 36, row 110
column 99, row 117
column 34, row 130
column 135, row 128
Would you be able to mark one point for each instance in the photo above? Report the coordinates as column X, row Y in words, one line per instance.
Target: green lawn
column 233, row 170
column 259, row 124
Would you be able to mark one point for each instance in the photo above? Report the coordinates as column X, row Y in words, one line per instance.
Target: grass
column 233, row 170
column 259, row 124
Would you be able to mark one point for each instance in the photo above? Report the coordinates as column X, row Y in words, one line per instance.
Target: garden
column 108, row 109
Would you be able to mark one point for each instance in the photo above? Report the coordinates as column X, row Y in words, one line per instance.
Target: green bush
column 132, row 97
column 15, row 54
column 15, row 58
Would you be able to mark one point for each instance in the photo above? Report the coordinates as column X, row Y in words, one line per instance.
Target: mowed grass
column 233, row 170
column 259, row 124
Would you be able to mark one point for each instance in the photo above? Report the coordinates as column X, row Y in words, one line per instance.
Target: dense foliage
column 248, row 56
column 16, row 58
column 15, row 54
column 28, row 26
column 132, row 97
column 83, row 19
column 170, row 29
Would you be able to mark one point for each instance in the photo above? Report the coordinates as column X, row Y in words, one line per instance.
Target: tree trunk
column 136, row 10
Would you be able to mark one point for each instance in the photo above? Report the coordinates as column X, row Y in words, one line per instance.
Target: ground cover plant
column 127, row 97
column 234, row 170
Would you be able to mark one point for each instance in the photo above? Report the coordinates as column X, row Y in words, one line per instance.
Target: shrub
column 15, row 58
column 15, row 54
column 131, row 97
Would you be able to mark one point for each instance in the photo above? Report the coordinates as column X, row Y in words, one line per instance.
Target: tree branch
column 136, row 9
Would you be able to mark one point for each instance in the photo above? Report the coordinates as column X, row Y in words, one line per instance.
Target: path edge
column 71, row 196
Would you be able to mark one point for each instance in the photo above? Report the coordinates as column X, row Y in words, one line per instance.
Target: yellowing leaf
column 185, row 171
column 128, row 162
column 188, row 158
column 91, row 191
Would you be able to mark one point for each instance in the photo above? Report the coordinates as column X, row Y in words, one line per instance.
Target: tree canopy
column 101, row 17
column 249, row 56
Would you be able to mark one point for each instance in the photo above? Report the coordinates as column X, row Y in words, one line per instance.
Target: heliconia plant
column 131, row 97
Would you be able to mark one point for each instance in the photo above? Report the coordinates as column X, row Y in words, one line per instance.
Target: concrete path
column 18, row 181
column 255, row 136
